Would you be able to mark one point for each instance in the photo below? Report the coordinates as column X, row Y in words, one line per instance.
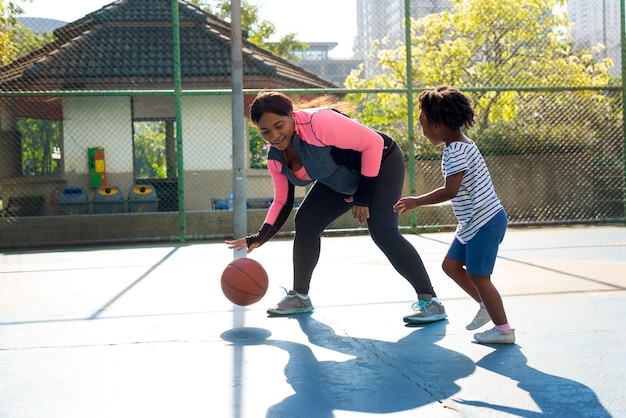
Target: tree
column 491, row 43
column 8, row 21
column 40, row 138
column 258, row 32
column 149, row 149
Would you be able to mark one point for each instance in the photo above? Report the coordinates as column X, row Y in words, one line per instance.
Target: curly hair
column 448, row 106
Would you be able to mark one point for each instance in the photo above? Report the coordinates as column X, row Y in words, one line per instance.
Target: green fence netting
column 92, row 148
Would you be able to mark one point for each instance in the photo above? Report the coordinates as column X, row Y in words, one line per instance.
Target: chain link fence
column 93, row 148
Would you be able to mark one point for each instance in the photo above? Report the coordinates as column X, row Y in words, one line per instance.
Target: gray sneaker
column 495, row 336
column 425, row 311
column 291, row 304
column 481, row 318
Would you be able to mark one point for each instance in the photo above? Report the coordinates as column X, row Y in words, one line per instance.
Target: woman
column 353, row 168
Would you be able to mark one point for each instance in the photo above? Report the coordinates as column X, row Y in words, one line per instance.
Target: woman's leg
column 383, row 225
column 319, row 209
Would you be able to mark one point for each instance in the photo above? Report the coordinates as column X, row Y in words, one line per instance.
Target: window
column 41, row 146
column 39, row 122
column 154, row 149
column 154, row 138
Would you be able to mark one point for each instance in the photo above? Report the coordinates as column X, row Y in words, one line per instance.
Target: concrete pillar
column 10, row 140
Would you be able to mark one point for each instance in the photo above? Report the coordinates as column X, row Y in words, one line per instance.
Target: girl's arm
column 442, row 194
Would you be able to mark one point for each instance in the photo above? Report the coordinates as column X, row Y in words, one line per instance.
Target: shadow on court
column 145, row 331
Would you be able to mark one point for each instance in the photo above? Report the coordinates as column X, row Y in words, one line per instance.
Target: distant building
column 377, row 19
column 597, row 22
column 316, row 60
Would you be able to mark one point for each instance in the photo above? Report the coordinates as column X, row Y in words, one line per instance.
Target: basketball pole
column 622, row 8
column 240, row 216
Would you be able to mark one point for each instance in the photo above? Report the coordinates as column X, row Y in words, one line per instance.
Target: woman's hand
column 405, row 204
column 360, row 213
column 240, row 244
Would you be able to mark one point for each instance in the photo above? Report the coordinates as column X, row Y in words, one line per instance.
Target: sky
column 321, row 20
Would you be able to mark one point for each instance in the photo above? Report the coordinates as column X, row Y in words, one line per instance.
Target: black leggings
column 322, row 206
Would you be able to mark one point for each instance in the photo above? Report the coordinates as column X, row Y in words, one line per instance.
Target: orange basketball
column 244, row 281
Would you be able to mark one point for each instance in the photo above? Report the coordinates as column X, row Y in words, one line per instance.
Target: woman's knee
column 308, row 223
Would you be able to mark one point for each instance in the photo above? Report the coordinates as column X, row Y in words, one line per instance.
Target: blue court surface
column 145, row 331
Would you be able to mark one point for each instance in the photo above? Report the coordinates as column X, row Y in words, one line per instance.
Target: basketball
column 244, row 281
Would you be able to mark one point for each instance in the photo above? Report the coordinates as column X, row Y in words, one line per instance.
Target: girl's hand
column 405, row 204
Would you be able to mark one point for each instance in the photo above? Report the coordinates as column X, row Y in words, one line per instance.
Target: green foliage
column 27, row 41
column 491, row 43
column 258, row 147
column 149, row 149
column 15, row 40
column 9, row 47
column 40, row 140
column 259, row 31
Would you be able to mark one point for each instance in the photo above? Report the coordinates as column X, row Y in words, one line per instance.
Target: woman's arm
column 334, row 129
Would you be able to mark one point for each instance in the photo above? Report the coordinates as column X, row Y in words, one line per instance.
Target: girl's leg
column 319, row 209
column 383, row 225
column 454, row 266
column 456, row 271
column 482, row 251
column 491, row 298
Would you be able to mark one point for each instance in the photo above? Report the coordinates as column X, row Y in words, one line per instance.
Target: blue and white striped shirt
column 476, row 202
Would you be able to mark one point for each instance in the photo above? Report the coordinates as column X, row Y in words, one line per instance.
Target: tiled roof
column 128, row 45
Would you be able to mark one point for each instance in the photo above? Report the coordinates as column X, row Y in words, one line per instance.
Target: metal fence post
column 179, row 121
column 623, row 42
column 409, row 107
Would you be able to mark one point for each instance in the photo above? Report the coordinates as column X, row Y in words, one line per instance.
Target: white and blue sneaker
column 291, row 304
column 426, row 310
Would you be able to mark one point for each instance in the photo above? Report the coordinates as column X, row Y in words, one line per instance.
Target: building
column 126, row 47
column 316, row 59
column 377, row 19
column 597, row 22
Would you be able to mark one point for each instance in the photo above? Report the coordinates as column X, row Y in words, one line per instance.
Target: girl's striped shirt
column 476, row 201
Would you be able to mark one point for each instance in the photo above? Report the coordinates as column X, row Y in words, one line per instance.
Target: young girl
column 482, row 219
column 352, row 168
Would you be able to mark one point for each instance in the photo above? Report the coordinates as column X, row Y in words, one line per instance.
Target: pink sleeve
column 332, row 128
column 281, row 190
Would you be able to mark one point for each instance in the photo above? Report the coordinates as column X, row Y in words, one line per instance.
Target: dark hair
column 449, row 106
column 270, row 101
column 281, row 104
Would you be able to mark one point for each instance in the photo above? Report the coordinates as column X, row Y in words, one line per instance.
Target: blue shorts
column 479, row 254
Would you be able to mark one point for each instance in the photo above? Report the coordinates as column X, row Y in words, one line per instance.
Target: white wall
column 207, row 133
column 97, row 122
column 107, row 122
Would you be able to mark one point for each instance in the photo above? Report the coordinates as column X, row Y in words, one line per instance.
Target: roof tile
column 128, row 44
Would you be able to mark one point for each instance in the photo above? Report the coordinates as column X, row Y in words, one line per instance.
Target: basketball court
column 145, row 331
